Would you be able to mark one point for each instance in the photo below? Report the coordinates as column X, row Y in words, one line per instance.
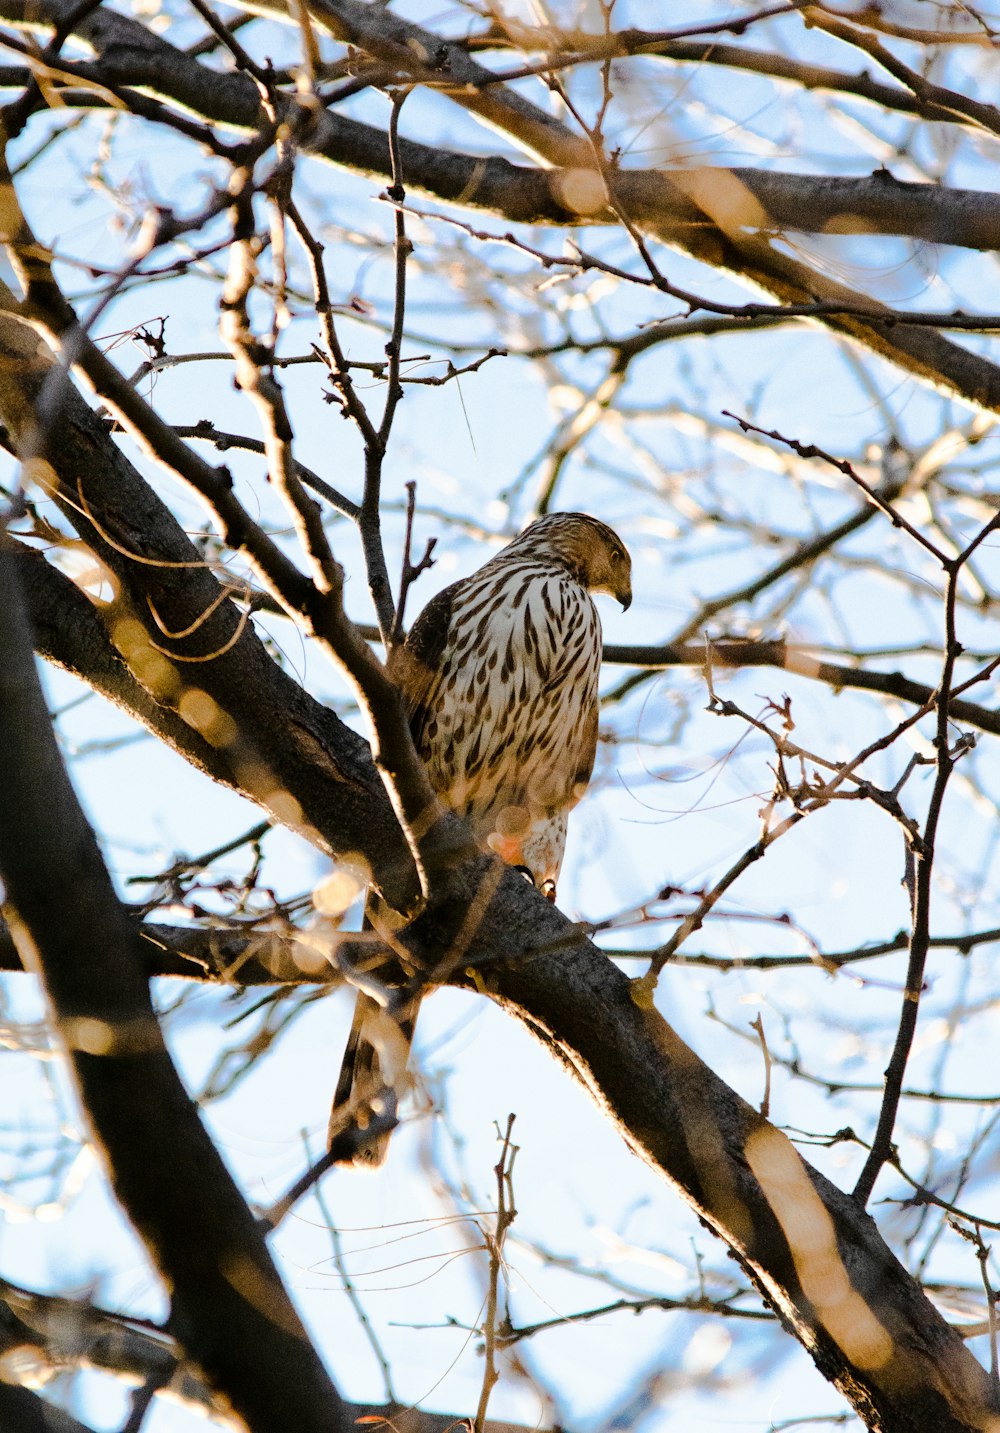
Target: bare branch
column 70, row 927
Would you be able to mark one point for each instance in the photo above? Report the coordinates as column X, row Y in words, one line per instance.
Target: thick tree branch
column 577, row 47
column 730, row 232
column 734, row 1170
column 814, row 1255
column 864, row 1321
column 686, row 1124
column 63, row 1331
column 965, row 107
column 70, row 634
column 435, row 838
column 790, row 657
column 158, row 569
column 228, row 954
column 130, row 55
column 422, row 55
column 858, row 1313
column 229, row 1307
column 714, row 213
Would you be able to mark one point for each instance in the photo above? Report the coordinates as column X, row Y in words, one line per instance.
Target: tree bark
column 722, row 216
column 229, row 1308
column 813, row 1252
column 270, row 737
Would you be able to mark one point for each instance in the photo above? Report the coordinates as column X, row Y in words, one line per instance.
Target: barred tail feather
column 360, row 1084
column 372, row 1076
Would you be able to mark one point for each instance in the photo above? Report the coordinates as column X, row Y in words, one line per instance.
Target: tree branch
column 160, row 569
column 578, row 47
column 685, row 1122
column 63, row 1331
column 714, row 213
column 229, row 1307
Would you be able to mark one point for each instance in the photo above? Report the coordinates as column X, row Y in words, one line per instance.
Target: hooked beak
column 624, row 594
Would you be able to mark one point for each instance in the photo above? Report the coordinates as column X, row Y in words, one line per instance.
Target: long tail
column 372, row 1077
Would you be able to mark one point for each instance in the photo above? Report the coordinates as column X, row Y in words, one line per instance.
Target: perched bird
column 499, row 674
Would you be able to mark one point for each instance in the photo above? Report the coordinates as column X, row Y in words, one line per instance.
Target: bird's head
column 593, row 552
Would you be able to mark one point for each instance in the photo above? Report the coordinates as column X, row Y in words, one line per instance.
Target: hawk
column 499, row 675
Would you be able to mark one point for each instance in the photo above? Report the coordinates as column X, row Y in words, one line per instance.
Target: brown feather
column 499, row 675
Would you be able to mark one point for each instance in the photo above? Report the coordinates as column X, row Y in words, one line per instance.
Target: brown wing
column 586, row 755
column 418, row 663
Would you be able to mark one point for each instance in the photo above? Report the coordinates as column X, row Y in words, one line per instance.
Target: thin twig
column 758, row 1025
column 810, row 450
column 256, row 379
column 923, row 857
column 206, row 431
column 350, row 1289
column 411, row 571
column 974, row 1236
column 369, row 520
column 506, row 1214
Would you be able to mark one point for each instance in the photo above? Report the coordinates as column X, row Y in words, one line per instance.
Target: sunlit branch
column 586, row 48
column 63, row 1332
column 251, row 359
column 986, row 116
column 923, row 850
column 246, row 687
column 206, row 431
column 790, row 657
column 968, row 26
column 648, row 198
column 321, row 612
column 495, row 1240
column 69, row 926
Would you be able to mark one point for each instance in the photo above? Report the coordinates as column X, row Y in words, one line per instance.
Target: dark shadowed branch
column 230, row 1309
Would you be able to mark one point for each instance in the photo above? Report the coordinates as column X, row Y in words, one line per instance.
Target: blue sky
column 678, row 793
